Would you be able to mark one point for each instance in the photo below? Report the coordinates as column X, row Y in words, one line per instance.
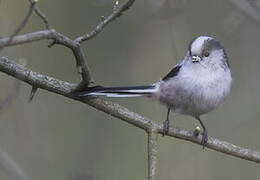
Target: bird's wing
column 175, row 70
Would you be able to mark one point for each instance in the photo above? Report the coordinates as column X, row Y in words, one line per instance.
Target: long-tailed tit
column 195, row 86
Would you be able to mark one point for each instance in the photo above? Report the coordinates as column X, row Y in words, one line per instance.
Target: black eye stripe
column 212, row 44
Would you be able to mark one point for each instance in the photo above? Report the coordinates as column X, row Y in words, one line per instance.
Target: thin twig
column 39, row 13
column 152, row 152
column 117, row 11
column 64, row 88
column 20, row 27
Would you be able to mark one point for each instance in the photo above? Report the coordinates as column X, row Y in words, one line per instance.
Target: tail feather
column 130, row 91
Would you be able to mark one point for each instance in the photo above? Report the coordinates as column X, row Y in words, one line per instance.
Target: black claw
column 166, row 127
column 204, row 139
column 166, row 123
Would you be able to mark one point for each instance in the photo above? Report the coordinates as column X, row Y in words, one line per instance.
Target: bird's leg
column 204, row 133
column 166, row 123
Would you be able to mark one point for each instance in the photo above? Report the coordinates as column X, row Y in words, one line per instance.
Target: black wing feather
column 172, row 73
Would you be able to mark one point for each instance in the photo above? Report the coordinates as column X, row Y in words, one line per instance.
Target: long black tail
column 130, row 91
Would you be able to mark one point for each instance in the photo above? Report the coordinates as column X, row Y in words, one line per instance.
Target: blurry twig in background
column 20, row 27
column 11, row 168
column 248, row 7
column 166, row 9
column 10, row 96
column 243, row 9
column 7, row 164
column 13, row 93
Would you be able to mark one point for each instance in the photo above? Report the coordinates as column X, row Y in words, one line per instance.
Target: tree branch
column 152, row 151
column 59, row 38
column 64, row 88
column 49, row 33
column 117, row 11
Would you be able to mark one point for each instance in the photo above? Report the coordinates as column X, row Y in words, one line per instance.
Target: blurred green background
column 56, row 138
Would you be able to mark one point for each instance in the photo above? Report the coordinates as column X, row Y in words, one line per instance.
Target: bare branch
column 37, row 36
column 117, row 11
column 59, row 38
column 152, row 152
column 82, row 66
column 64, row 88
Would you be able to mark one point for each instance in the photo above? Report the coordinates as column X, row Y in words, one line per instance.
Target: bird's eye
column 206, row 54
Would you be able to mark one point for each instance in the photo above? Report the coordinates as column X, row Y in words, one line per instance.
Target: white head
column 207, row 51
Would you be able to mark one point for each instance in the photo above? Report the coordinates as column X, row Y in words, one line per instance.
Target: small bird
column 195, row 86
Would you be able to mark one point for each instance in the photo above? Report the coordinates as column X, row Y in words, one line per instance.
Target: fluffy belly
column 199, row 103
column 194, row 100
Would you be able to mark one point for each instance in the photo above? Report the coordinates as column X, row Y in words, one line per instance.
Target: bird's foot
column 166, row 127
column 204, row 139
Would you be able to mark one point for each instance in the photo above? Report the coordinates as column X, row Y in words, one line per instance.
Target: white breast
column 196, row 91
column 207, row 89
